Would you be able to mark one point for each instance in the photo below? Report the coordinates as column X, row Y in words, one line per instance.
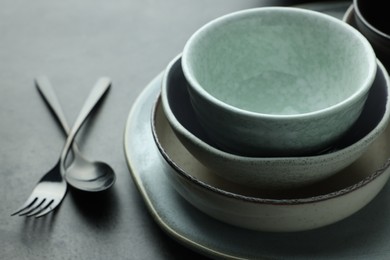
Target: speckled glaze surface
column 277, row 81
column 275, row 172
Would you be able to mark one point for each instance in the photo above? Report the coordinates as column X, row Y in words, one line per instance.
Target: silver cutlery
column 52, row 187
column 81, row 173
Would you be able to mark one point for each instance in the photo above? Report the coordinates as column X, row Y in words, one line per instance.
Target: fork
column 51, row 188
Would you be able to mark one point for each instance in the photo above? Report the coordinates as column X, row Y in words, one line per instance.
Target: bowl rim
column 366, row 23
column 291, row 159
column 358, row 93
column 296, row 201
column 251, row 199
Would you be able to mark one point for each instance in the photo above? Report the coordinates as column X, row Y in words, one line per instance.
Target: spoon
column 81, row 173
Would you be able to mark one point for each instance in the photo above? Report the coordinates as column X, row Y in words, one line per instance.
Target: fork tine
column 45, row 203
column 29, row 202
column 49, row 208
column 34, row 206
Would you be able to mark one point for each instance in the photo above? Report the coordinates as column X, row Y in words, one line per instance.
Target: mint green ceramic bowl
column 273, row 173
column 277, row 81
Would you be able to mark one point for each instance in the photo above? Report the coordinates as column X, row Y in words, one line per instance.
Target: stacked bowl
column 267, row 114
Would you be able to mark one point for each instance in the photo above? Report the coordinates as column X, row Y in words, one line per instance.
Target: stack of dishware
column 268, row 114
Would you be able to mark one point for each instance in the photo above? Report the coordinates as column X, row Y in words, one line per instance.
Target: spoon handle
column 100, row 88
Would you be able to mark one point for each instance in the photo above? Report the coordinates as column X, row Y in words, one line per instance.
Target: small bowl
column 272, row 172
column 283, row 211
column 277, row 81
column 371, row 18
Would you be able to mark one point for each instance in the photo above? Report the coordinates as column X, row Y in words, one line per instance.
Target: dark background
column 74, row 42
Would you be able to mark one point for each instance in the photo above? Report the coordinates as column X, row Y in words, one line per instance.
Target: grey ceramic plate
column 357, row 237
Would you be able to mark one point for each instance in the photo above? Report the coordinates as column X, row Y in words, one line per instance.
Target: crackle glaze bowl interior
column 277, row 81
column 271, row 173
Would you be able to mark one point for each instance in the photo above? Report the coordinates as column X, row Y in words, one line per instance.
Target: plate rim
column 177, row 236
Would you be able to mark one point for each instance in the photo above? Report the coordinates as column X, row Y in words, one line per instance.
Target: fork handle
column 47, row 92
column 45, row 88
column 98, row 91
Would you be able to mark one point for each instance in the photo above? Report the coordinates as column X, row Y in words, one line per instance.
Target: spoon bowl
column 89, row 176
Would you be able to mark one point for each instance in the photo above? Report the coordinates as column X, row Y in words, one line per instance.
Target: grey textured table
column 74, row 43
